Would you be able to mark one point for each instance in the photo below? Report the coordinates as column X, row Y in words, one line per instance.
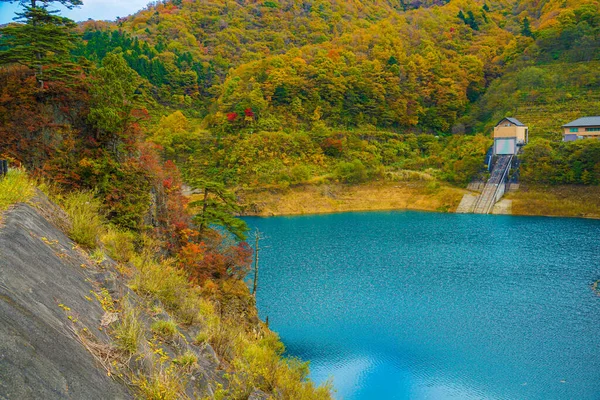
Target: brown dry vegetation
column 328, row 198
column 566, row 200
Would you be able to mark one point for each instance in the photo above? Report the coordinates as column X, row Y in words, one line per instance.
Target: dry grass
column 416, row 195
column 105, row 354
column 15, row 187
column 129, row 331
column 118, row 243
column 87, row 221
column 161, row 384
column 567, row 201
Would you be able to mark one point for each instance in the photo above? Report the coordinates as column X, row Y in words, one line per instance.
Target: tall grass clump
column 165, row 329
column 86, row 218
column 167, row 283
column 162, row 384
column 118, row 243
column 261, row 364
column 188, row 361
column 15, row 187
column 129, row 331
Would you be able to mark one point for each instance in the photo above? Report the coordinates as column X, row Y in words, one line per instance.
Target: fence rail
column 495, row 187
column 501, row 188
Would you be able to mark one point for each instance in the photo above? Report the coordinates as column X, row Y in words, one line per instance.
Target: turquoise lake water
column 409, row 305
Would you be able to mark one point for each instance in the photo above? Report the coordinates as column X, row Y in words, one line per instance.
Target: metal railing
column 495, row 186
column 501, row 186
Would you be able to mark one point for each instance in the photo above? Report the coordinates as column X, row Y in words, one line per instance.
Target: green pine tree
column 41, row 40
column 471, row 21
column 526, row 28
column 218, row 207
column 113, row 99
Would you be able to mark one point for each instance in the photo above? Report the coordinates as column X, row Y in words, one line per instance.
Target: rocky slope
column 59, row 310
column 44, row 280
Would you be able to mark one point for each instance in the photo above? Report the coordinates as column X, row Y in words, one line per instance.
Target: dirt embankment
column 329, row 198
column 559, row 201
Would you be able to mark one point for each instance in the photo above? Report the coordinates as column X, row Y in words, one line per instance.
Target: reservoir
column 410, row 305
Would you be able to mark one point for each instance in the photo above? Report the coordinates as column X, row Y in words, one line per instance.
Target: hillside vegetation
column 545, row 96
column 344, row 82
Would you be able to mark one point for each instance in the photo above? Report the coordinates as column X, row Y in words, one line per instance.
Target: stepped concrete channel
column 489, row 201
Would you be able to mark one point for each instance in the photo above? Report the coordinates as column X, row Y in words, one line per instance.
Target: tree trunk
column 256, row 250
column 41, row 71
column 39, row 74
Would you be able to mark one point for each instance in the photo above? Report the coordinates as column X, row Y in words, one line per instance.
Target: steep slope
column 76, row 324
column 43, row 289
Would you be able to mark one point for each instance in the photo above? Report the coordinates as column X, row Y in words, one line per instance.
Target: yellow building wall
column 511, row 131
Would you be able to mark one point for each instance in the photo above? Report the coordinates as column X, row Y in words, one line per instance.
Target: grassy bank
column 15, row 187
column 565, row 201
column 328, row 198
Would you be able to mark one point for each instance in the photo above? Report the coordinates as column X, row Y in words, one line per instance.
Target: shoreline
column 301, row 214
column 337, row 198
column 534, row 201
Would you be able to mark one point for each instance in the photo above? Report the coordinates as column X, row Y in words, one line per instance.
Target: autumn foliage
column 215, row 257
column 49, row 131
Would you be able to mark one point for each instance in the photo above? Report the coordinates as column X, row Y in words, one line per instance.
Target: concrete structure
column 582, row 128
column 492, row 192
column 495, row 187
column 509, row 135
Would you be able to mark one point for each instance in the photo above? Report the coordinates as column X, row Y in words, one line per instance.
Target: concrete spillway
column 492, row 191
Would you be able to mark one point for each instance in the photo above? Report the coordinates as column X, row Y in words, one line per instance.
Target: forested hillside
column 260, row 94
column 368, row 62
column 346, row 64
column 343, row 82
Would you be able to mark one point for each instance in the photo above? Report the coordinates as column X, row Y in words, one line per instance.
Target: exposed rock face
column 258, row 395
column 44, row 280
